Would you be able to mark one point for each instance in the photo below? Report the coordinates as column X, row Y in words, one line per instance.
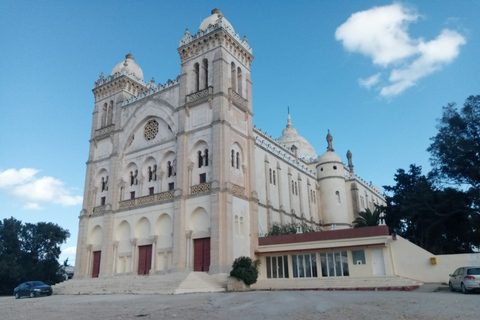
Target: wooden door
column 96, row 263
column 201, row 254
column 144, row 259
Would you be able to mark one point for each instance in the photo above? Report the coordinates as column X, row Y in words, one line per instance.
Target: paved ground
column 303, row 305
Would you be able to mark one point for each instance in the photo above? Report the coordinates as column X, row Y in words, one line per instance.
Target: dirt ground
column 305, row 305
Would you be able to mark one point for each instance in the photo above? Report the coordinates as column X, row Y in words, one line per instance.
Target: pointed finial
column 101, row 75
column 245, row 39
column 153, row 80
column 330, row 140
column 187, row 33
column 289, row 119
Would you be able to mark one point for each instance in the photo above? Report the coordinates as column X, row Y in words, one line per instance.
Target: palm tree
column 367, row 218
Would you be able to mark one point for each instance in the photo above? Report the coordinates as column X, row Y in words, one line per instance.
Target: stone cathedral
column 179, row 179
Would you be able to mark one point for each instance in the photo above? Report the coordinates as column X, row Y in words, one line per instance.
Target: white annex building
column 179, row 179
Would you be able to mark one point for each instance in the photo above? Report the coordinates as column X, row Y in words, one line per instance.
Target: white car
column 465, row 279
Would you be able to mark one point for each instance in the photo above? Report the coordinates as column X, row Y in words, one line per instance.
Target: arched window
column 150, row 174
column 110, row 113
column 270, row 173
column 169, row 169
column 132, row 178
column 196, row 77
column 274, row 180
column 233, row 76
column 154, row 173
column 296, row 190
column 239, row 81
column 200, row 159
column 204, row 74
column 104, row 116
column 293, row 187
column 338, row 196
column 233, row 158
column 238, row 160
column 206, row 157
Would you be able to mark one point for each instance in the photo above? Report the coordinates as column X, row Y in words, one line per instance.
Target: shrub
column 278, row 229
column 245, row 269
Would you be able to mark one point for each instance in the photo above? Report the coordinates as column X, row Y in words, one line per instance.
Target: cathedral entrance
column 96, row 263
column 201, row 254
column 144, row 259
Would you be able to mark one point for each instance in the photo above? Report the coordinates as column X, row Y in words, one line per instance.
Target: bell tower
column 216, row 114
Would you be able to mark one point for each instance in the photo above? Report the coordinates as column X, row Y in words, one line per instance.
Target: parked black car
column 32, row 289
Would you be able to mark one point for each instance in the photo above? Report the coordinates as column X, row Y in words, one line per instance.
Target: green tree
column 438, row 220
column 455, row 150
column 29, row 252
column 10, row 252
column 367, row 218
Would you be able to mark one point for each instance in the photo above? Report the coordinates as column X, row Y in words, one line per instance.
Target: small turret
column 331, row 180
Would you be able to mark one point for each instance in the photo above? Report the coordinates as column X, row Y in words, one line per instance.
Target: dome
column 329, row 156
column 290, row 138
column 213, row 19
column 130, row 65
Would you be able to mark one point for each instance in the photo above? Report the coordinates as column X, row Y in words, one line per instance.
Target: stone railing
column 99, row 209
column 238, row 191
column 127, row 203
column 200, row 188
column 150, row 199
column 164, row 195
column 145, row 200
column 237, row 99
column 104, row 130
column 199, row 94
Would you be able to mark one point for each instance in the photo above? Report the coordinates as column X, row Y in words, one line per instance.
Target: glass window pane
column 301, row 267
column 280, row 267
column 331, row 265
column 308, row 267
column 269, row 271
column 285, row 265
column 274, row 267
column 323, row 261
column 314, row 265
column 345, row 264
column 338, row 264
column 294, row 265
column 358, row 256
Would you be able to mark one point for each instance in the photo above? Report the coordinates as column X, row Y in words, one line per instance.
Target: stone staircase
column 338, row 283
column 195, row 282
column 203, row 282
column 172, row 283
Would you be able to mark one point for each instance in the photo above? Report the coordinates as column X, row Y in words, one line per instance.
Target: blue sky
column 374, row 73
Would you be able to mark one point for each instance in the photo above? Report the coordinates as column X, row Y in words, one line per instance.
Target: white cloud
column 381, row 34
column 370, row 81
column 26, row 186
column 12, row 177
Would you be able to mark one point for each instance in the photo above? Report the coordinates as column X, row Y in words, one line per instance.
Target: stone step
column 201, row 282
column 172, row 283
column 340, row 283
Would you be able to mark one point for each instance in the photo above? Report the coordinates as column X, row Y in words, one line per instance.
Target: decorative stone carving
column 150, row 130
column 200, row 188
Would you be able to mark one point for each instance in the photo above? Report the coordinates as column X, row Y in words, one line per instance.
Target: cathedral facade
column 179, row 179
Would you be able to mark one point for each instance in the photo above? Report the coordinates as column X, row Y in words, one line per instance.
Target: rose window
column 151, row 130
